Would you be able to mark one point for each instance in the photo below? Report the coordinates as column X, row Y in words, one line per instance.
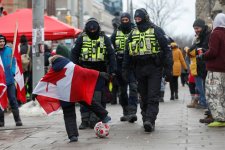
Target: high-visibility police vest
column 93, row 50
column 120, row 41
column 143, row 43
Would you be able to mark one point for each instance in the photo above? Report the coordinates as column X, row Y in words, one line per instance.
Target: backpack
column 25, row 58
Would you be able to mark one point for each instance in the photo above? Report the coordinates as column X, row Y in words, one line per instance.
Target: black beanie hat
column 199, row 23
column 23, row 39
column 142, row 13
column 125, row 14
column 92, row 24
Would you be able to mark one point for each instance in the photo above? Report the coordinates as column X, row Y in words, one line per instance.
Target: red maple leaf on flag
column 53, row 76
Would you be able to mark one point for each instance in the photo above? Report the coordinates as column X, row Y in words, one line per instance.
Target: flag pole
column 14, row 42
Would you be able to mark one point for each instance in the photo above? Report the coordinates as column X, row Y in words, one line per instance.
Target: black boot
column 172, row 96
column 70, row 123
column 125, row 114
column 16, row 116
column 73, row 138
column 2, row 122
column 84, row 124
column 149, row 127
column 93, row 120
column 132, row 117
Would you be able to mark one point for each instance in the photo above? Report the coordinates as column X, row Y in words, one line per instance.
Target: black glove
column 104, row 75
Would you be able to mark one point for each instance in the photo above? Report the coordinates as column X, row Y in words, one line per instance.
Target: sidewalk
column 177, row 128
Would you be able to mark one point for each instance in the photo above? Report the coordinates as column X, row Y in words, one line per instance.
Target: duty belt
column 92, row 59
column 141, row 53
column 119, row 52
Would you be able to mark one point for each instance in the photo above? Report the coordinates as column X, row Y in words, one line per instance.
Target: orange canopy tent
column 53, row 28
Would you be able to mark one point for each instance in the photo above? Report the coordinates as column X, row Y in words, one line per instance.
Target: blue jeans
column 11, row 92
column 200, row 87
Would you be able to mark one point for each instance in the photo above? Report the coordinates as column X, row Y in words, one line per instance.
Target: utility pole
column 37, row 41
column 131, row 11
column 80, row 14
column 128, row 6
column 72, row 11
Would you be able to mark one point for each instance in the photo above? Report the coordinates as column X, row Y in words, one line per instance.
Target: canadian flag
column 71, row 84
column 3, row 87
column 20, row 87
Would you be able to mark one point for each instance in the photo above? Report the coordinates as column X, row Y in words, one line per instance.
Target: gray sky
column 183, row 25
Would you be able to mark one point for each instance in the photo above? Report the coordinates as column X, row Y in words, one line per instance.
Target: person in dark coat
column 25, row 48
column 69, row 112
column 147, row 51
column 93, row 50
column 47, row 55
column 128, row 103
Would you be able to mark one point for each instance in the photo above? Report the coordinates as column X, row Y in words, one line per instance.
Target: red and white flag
column 71, row 84
column 20, row 86
column 3, row 87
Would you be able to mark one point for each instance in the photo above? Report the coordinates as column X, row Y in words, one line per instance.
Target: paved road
column 177, row 128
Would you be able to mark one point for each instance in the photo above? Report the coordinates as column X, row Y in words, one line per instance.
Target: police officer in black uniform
column 148, row 52
column 118, row 38
column 93, row 50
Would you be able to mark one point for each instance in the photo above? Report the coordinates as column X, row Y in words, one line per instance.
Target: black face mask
column 126, row 27
column 93, row 35
column 143, row 26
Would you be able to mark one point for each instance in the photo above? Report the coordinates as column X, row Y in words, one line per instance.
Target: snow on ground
column 33, row 108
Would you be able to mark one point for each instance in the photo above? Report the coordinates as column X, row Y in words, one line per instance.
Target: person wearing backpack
column 26, row 54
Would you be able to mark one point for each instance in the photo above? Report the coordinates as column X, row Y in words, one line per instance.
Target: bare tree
column 163, row 12
column 183, row 40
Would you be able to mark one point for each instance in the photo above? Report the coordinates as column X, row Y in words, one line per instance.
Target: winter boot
column 161, row 96
column 73, row 138
column 193, row 104
column 84, row 124
column 106, row 119
column 2, row 122
column 70, row 123
column 125, row 114
column 208, row 119
column 172, row 97
column 148, row 126
column 93, row 120
column 132, row 117
column 16, row 116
